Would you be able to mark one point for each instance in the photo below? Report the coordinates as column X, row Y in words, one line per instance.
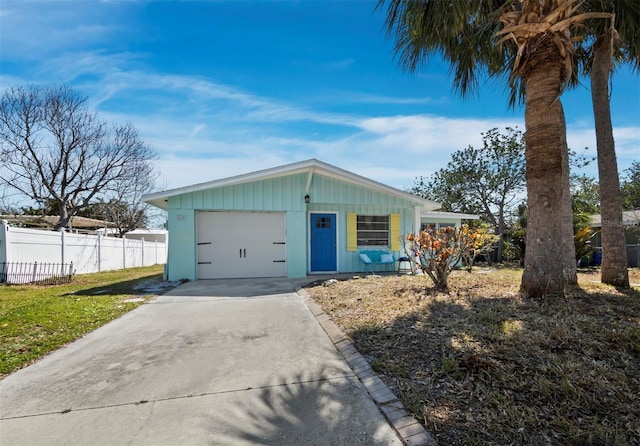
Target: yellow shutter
column 352, row 232
column 394, row 224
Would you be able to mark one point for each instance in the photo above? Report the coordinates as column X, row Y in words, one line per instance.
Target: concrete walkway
column 211, row 362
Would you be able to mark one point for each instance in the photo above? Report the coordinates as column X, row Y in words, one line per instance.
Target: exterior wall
column 181, row 263
column 329, row 195
column 440, row 221
column 349, row 261
column 632, row 241
column 296, row 244
column 284, row 194
column 631, row 236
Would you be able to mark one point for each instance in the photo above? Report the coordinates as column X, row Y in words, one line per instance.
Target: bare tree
column 55, row 149
column 123, row 207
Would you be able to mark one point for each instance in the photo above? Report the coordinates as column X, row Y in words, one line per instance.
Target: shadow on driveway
column 330, row 411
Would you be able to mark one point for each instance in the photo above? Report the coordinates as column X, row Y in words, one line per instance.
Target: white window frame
column 378, row 241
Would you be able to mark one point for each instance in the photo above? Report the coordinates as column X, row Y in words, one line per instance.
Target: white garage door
column 240, row 244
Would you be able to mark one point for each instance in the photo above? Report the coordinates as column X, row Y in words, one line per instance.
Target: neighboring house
column 288, row 221
column 148, row 235
column 442, row 219
column 631, row 223
column 76, row 223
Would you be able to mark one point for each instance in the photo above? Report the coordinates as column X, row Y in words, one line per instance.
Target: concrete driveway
column 211, row 362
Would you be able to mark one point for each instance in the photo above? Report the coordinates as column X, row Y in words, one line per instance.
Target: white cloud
column 368, row 98
column 35, row 29
column 205, row 130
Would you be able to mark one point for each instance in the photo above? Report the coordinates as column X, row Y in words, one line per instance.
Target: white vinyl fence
column 88, row 253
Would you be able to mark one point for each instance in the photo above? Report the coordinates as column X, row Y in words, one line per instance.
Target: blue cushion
column 386, row 258
column 365, row 258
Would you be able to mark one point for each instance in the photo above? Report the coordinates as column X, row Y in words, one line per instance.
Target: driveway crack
column 180, row 397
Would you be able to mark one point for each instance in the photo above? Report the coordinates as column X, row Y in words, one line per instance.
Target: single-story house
column 148, row 235
column 631, row 223
column 303, row 218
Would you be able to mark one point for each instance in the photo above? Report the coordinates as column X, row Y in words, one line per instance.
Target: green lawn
column 35, row 320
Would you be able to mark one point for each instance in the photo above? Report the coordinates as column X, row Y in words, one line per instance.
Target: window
column 323, row 222
column 436, row 226
column 424, row 226
column 373, row 230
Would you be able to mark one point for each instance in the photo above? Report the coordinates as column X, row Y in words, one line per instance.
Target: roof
column 311, row 167
column 444, row 214
column 49, row 221
column 629, row 218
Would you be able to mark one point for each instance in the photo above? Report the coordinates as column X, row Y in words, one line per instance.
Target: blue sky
column 220, row 88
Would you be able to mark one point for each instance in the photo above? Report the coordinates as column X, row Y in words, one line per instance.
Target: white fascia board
column 444, row 214
column 311, row 166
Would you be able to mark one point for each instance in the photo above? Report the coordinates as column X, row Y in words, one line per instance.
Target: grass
column 481, row 365
column 35, row 320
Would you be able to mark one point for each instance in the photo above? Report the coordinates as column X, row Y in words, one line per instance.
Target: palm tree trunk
column 550, row 255
column 614, row 252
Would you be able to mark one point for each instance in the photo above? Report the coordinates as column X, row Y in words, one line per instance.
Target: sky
column 221, row 88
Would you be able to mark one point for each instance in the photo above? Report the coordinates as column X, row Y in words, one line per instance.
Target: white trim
column 309, row 178
column 417, row 220
column 444, row 214
column 335, row 214
column 159, row 199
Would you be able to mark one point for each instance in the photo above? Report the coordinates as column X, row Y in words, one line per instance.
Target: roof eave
column 160, row 199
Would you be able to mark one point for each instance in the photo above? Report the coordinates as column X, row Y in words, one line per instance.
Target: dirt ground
column 481, row 365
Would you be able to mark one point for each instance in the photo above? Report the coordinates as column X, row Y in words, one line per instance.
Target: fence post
column 35, row 270
column 99, row 254
column 124, row 252
column 4, row 241
column 70, row 269
column 143, row 264
column 62, row 243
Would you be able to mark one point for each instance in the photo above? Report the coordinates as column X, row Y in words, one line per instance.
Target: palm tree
column 618, row 40
column 531, row 39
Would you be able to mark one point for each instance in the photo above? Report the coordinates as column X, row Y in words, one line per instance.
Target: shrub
column 437, row 252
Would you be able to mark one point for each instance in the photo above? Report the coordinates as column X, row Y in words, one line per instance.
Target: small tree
column 437, row 252
column 483, row 243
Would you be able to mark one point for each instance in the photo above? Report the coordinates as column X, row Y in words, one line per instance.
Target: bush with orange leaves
column 436, row 252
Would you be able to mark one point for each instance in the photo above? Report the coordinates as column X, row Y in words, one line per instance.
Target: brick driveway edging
column 408, row 428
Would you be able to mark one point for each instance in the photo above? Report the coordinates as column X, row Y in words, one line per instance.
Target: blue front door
column 323, row 242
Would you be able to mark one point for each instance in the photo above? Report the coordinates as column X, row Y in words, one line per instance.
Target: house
column 303, row 218
column 631, row 223
column 75, row 224
column 442, row 219
column 148, row 235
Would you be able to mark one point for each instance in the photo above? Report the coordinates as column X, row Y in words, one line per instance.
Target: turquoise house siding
column 296, row 243
column 273, row 195
column 283, row 194
column 282, row 189
column 182, row 242
column 334, row 196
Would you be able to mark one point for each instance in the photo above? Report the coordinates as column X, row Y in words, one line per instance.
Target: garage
column 240, row 244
